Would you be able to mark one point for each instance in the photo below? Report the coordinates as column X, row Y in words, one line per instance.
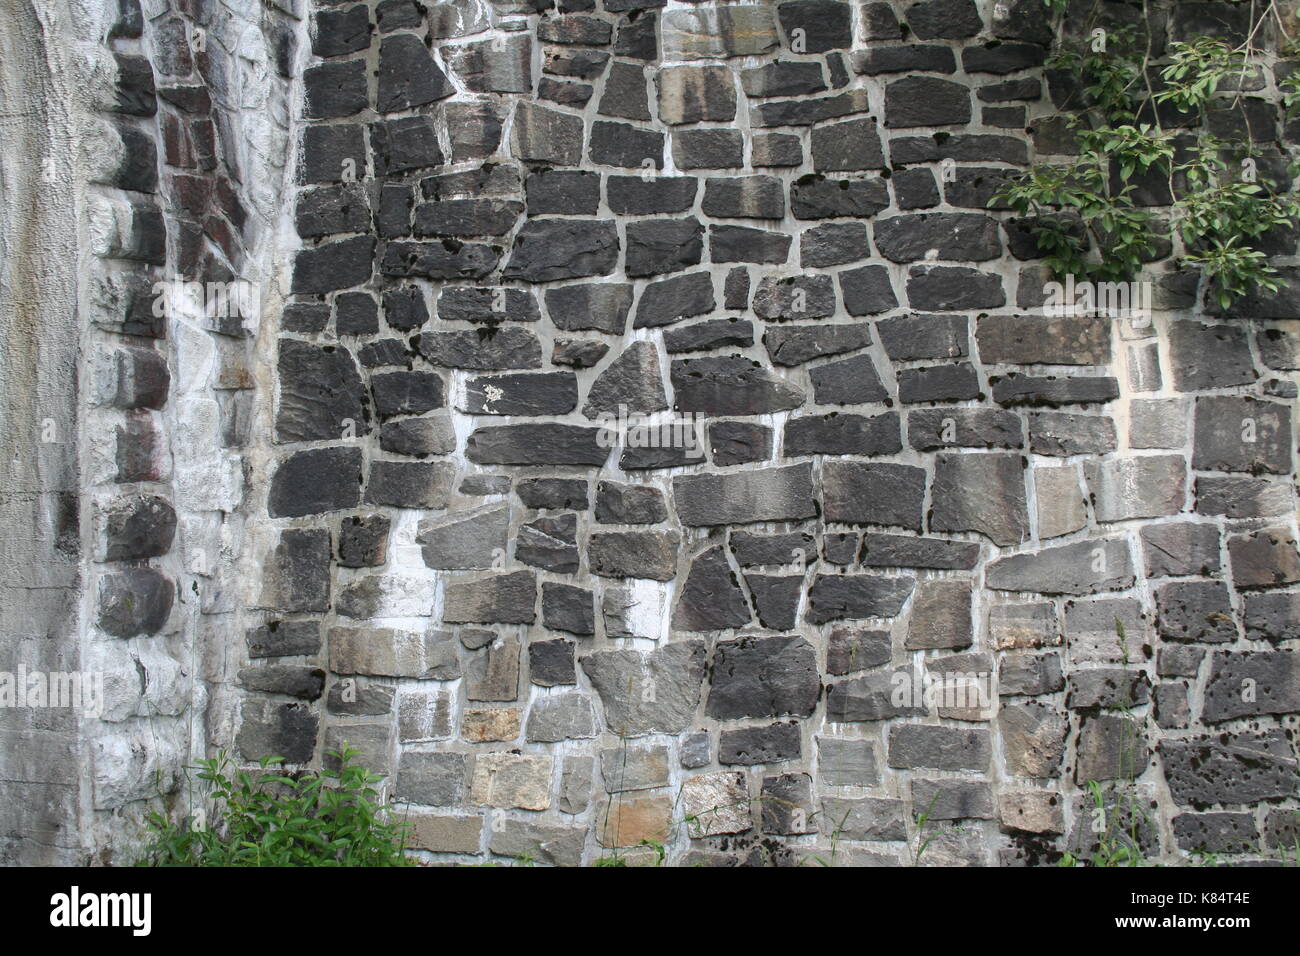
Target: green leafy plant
column 1142, row 123
column 328, row 817
column 1114, row 847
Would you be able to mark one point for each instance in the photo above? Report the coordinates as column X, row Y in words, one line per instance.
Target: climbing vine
column 1167, row 159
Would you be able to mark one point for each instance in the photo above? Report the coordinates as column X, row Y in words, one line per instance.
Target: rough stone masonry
column 927, row 549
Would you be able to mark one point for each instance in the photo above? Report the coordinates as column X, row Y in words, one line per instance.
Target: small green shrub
column 314, row 818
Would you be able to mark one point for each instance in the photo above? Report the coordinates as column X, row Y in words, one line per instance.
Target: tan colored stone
column 716, row 803
column 626, row 821
column 443, row 833
column 1060, row 501
column 512, row 780
column 1018, row 626
column 1033, row 811
column 490, row 724
column 388, row 652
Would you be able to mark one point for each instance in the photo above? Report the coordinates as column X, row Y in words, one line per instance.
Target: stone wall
column 905, row 545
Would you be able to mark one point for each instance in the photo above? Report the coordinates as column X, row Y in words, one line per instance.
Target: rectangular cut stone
column 388, row 652
column 444, row 833
column 1013, row 626
column 522, row 781
column 707, row 32
column 1082, row 568
column 765, row 494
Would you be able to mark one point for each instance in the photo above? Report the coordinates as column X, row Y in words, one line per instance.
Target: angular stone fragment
column 408, row 75
column 847, row 762
column 1272, row 617
column 1031, row 811
column 502, row 598
column 816, row 197
column 794, row 297
column 856, row 596
column 709, row 334
column 551, row 663
column 1025, row 674
column 648, row 692
column 1180, row 548
column 297, row 572
column 1063, row 434
column 956, row 236
column 867, row 818
column 409, row 484
column 1240, row 497
column 708, row 149
column 283, row 639
column 431, row 779
column 630, row 383
column 634, row 610
column 1014, row 626
column 909, row 551
column 1142, row 487
column 796, row 344
column 575, row 784
column 490, row 724
column 953, row 799
column 776, row 599
column 660, row 246
column 625, row 92
column 983, row 493
column 1107, row 629
column 745, row 197
column 632, row 767
column 625, row 145
column 1113, row 688
column 548, row 845
column 599, row 306
column 617, row 503
column 667, row 300
column 449, row 259
column 711, row 599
